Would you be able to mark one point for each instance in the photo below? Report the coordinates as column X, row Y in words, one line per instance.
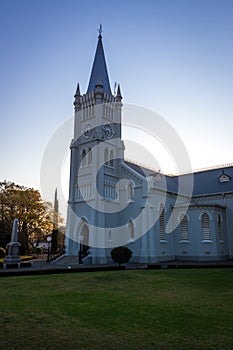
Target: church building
column 113, row 202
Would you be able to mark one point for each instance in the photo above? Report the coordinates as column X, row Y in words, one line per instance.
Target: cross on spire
column 100, row 30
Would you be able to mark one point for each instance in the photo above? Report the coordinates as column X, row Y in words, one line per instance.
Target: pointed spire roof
column 99, row 69
column 118, row 91
column 55, row 201
column 77, row 93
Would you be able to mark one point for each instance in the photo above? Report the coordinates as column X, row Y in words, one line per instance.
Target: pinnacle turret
column 77, row 93
column 118, row 96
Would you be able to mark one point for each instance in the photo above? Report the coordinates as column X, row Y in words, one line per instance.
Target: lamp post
column 49, row 239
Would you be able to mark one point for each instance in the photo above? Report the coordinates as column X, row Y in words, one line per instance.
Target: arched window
column 84, row 157
column 184, row 228
column 161, row 223
column 110, row 236
column 130, row 191
column 106, row 156
column 131, row 229
column 220, row 228
column 205, row 224
column 111, row 158
column 83, row 239
column 89, row 154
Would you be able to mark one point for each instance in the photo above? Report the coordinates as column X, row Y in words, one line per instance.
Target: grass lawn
column 160, row 309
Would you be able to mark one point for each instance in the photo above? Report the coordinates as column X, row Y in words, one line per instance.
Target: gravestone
column 13, row 248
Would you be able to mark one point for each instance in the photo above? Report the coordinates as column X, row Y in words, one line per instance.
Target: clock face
column 87, row 131
column 108, row 131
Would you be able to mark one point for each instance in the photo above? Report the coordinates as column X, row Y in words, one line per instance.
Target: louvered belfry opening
column 184, row 228
column 161, row 222
column 205, row 223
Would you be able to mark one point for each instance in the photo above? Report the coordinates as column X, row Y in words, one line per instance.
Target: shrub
column 2, row 252
column 121, row 255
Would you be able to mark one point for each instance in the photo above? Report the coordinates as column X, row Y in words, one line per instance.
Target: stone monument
column 13, row 248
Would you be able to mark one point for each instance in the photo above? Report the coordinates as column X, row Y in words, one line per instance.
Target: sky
column 171, row 56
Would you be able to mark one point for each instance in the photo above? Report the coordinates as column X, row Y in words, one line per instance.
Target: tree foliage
column 35, row 216
column 121, row 255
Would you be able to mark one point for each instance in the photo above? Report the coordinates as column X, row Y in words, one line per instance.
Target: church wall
column 196, row 247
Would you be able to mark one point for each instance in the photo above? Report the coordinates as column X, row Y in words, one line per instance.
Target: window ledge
column 221, row 241
column 184, row 241
column 130, row 240
column 163, row 241
column 130, row 201
column 206, row 241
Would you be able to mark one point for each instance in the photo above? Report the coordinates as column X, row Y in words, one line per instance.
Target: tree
column 121, row 255
column 35, row 216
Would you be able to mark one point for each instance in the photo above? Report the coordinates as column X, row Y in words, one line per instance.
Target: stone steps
column 67, row 260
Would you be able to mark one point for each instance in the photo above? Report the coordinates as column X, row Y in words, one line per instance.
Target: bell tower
column 96, row 154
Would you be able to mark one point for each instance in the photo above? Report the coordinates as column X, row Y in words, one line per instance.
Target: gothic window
column 106, row 156
column 205, row 224
column 184, row 228
column 161, row 223
column 131, row 229
column 130, row 192
column 220, row 228
column 89, row 156
column 84, row 157
column 111, row 158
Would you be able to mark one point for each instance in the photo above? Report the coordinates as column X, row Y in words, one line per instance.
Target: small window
column 224, row 177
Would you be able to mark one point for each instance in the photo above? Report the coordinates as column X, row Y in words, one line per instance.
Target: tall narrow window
column 205, row 224
column 184, row 228
column 111, row 159
column 131, row 229
column 84, row 157
column 89, row 158
column 220, row 228
column 130, row 192
column 161, row 223
column 106, row 156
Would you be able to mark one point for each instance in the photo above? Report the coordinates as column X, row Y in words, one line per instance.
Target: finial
column 100, row 31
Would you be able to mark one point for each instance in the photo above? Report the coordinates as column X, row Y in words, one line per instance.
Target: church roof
column 99, row 69
column 205, row 182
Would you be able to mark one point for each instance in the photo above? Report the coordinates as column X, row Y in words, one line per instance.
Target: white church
column 113, row 202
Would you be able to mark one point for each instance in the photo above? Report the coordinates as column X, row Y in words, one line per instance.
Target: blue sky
column 172, row 56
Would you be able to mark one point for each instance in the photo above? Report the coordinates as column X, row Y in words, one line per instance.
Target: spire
column 55, row 201
column 99, row 68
